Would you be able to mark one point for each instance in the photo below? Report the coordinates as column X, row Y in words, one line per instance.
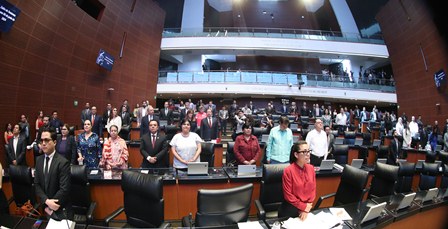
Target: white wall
column 191, row 63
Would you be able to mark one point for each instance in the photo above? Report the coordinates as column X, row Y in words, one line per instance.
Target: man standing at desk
column 52, row 179
column 279, row 143
column 153, row 147
column 209, row 126
column 317, row 141
column 394, row 149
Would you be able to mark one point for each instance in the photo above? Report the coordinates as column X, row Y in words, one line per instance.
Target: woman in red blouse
column 246, row 148
column 299, row 183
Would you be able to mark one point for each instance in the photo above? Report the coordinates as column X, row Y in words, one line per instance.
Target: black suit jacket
column 70, row 148
column 58, row 185
column 159, row 151
column 20, row 154
column 97, row 127
column 106, row 117
column 394, row 153
column 144, row 125
column 126, row 121
column 168, row 117
column 209, row 132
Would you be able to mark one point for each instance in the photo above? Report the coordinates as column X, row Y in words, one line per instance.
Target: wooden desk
column 434, row 218
column 414, row 155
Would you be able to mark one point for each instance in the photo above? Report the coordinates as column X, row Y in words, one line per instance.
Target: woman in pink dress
column 115, row 152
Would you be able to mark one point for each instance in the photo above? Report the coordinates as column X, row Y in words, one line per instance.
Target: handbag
column 28, row 210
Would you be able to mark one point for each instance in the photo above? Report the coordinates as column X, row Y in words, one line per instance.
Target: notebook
column 326, row 164
column 374, row 212
column 339, row 141
column 247, row 170
column 197, row 168
column 357, row 163
column 430, row 195
column 406, row 201
column 381, row 160
column 358, row 142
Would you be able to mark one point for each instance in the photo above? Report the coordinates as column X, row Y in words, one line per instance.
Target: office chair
column 170, row 131
column 257, row 132
column 444, row 182
column 406, row 173
column 443, row 156
column 221, row 207
column 340, row 153
column 384, row 179
column 271, row 191
column 430, row 156
column 82, row 204
column 349, row 137
column 22, row 185
column 382, row 151
column 350, row 189
column 208, row 153
column 428, row 176
column 366, row 139
column 230, row 156
column 143, row 200
column 125, row 132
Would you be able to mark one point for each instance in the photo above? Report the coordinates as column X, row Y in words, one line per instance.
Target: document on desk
column 53, row 224
column 322, row 220
column 250, row 225
column 340, row 213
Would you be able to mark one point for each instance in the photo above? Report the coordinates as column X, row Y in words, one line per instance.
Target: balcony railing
column 278, row 78
column 273, row 33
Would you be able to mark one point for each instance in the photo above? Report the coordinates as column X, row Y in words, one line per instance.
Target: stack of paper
column 340, row 213
column 250, row 225
column 316, row 221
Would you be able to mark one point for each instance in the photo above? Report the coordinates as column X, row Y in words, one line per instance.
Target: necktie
column 210, row 122
column 93, row 119
column 153, row 141
column 46, row 177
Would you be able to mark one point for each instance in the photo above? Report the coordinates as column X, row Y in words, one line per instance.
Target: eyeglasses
column 46, row 140
column 305, row 152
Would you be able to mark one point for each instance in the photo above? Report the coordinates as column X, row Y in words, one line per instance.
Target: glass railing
column 273, row 33
column 278, row 78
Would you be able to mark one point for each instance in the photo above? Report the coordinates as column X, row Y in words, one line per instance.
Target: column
column 345, row 18
column 193, row 16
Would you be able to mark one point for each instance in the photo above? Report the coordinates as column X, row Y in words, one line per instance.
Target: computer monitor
column 358, row 142
column 376, row 142
column 381, row 160
column 247, row 170
column 374, row 212
column 339, row 141
column 430, row 195
column 326, row 165
column 406, row 201
column 197, row 168
column 357, row 163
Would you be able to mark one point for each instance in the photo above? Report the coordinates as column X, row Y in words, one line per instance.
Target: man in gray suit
column 85, row 114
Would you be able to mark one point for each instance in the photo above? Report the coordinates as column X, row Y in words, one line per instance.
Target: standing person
column 246, row 149
column 114, row 119
column 97, row 123
column 25, row 129
column 66, row 144
column 16, row 148
column 318, row 144
column 4, row 206
column 154, row 147
column 209, row 127
column 166, row 113
column 330, row 141
column 407, row 136
column 223, row 116
column 199, row 116
column 399, row 127
column 39, row 120
column 89, row 147
column 298, row 183
column 125, row 117
column 185, row 146
column 326, row 118
column 52, row 179
column 142, row 111
column 240, row 119
column 144, row 127
column 394, row 150
column 107, row 113
column 279, row 142
column 115, row 151
column 55, row 122
column 8, row 133
column 191, row 117
column 85, row 114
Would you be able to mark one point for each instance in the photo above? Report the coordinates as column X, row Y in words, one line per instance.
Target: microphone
column 190, row 218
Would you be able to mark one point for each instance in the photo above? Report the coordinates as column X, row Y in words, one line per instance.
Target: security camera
column 290, row 84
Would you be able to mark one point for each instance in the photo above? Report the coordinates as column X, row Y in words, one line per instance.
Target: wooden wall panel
column 416, row 90
column 47, row 59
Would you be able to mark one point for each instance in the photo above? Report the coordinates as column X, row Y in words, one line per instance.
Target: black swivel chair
column 208, row 153
column 349, row 137
column 406, row 173
column 351, row 188
column 230, row 156
column 430, row 156
column 340, row 153
column 221, row 207
column 443, row 156
column 366, row 139
column 382, row 151
column 143, row 200
column 22, row 185
column 170, row 131
column 257, row 132
column 125, row 132
column 384, row 179
column 271, row 191
column 428, row 176
column 444, row 183
column 82, row 204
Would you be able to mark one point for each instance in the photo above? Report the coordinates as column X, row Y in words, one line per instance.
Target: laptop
column 326, row 165
column 376, row 142
column 357, row 163
column 339, row 141
column 197, row 168
column 381, row 160
column 419, row 164
column 247, row 170
column 406, row 201
column 374, row 212
column 358, row 142
column 430, row 195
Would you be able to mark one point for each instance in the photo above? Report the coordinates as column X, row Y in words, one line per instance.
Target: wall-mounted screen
column 105, row 60
column 8, row 15
column 439, row 77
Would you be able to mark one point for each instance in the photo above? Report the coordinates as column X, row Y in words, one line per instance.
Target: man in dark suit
column 125, row 117
column 144, row 126
column 85, row 114
column 154, row 147
column 55, row 122
column 304, row 110
column 394, row 150
column 97, row 122
column 209, row 126
column 285, row 109
column 166, row 113
column 17, row 148
column 107, row 114
column 52, row 179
